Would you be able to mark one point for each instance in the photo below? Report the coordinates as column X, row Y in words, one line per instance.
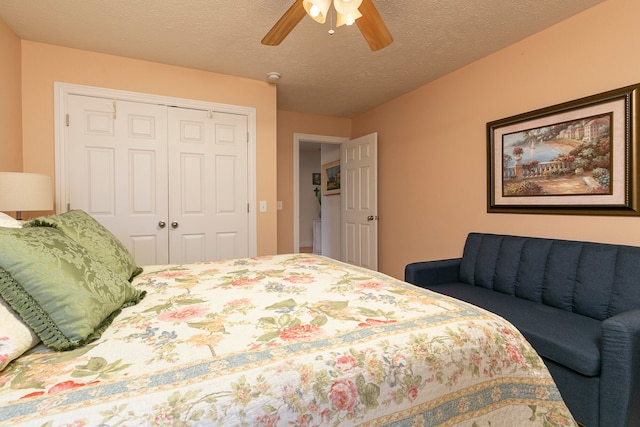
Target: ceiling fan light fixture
column 317, row 9
column 371, row 26
column 348, row 19
column 347, row 7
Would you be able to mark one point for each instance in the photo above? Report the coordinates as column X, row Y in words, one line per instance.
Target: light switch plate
column 279, row 205
column 263, row 205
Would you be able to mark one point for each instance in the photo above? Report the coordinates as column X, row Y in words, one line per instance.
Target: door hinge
column 248, row 205
column 66, row 120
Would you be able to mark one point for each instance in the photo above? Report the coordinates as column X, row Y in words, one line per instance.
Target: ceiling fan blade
column 285, row 24
column 373, row 27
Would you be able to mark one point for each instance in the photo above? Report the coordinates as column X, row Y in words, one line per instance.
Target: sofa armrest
column 429, row 273
column 620, row 371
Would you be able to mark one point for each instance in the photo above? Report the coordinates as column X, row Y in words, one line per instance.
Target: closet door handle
column 162, row 224
column 174, row 224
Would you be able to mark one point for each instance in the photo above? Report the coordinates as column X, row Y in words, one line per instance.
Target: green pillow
column 66, row 295
column 99, row 241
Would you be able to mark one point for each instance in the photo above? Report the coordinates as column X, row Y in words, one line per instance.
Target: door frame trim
column 60, row 97
column 297, row 138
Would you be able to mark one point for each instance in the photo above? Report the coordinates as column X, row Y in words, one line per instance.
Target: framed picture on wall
column 316, row 178
column 579, row 157
column 331, row 178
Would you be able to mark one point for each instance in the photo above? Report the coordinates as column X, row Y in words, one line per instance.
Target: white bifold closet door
column 171, row 183
column 207, row 185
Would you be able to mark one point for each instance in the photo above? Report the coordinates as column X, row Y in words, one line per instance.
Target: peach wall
column 10, row 101
column 432, row 141
column 288, row 124
column 43, row 64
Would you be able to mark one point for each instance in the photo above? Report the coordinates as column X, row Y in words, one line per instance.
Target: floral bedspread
column 297, row 340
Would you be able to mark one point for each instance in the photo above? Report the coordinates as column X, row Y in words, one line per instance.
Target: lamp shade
column 317, row 9
column 21, row 191
column 347, row 7
column 347, row 19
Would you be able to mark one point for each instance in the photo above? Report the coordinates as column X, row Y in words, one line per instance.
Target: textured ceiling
column 332, row 75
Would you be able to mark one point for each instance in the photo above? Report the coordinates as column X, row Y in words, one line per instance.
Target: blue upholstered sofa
column 578, row 304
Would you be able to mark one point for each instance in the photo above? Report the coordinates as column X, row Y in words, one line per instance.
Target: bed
column 297, row 339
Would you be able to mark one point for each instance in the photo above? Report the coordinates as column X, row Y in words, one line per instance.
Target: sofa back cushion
column 625, row 293
column 531, row 271
column 593, row 279
column 507, row 265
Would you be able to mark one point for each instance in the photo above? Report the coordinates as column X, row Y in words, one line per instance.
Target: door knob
column 174, row 224
column 371, row 218
column 162, row 224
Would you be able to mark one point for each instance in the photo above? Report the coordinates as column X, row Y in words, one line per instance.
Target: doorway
column 310, row 197
column 331, row 237
column 349, row 221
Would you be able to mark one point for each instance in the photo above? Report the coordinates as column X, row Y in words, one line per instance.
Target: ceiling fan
column 362, row 12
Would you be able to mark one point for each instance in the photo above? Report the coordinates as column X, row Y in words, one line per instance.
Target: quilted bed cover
column 297, row 340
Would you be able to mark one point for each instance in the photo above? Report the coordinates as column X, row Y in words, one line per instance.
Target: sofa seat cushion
column 569, row 339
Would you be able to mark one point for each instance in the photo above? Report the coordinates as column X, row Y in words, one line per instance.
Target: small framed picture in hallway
column 579, row 157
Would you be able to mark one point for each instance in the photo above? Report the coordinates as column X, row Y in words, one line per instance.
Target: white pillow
column 15, row 336
column 9, row 222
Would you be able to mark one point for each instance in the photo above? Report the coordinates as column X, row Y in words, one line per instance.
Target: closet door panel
column 193, row 247
column 171, row 183
column 208, row 192
column 189, row 177
column 231, row 216
column 192, row 184
column 142, row 187
column 117, row 152
column 226, row 245
column 226, row 191
column 101, row 186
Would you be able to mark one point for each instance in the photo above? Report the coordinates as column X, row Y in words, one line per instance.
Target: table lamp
column 20, row 191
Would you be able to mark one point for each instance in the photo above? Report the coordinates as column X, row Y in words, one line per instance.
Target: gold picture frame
column 578, row 158
column 331, row 178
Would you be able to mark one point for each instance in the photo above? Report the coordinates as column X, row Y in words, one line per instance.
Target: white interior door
column 208, row 193
column 359, row 176
column 117, row 153
column 171, row 183
column 231, row 209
